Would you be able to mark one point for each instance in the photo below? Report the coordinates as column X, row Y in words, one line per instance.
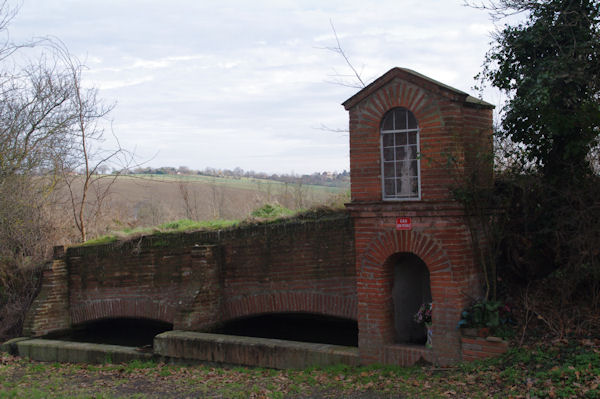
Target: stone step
column 251, row 351
column 191, row 347
column 49, row 350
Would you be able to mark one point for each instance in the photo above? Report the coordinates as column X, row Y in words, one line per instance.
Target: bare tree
column 299, row 192
column 149, row 212
column 7, row 13
column 86, row 156
column 353, row 79
column 51, row 125
column 217, row 199
column 500, row 9
column 191, row 203
column 36, row 120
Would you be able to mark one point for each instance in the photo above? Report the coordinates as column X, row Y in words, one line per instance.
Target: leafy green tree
column 549, row 67
column 548, row 210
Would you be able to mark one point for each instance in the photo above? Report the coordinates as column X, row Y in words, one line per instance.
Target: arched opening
column 117, row 331
column 410, row 288
column 303, row 327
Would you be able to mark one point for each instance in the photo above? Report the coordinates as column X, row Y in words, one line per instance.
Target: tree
column 548, row 209
column 549, row 67
column 48, row 123
column 354, row 79
column 34, row 134
column 191, row 200
column 35, row 121
column 84, row 154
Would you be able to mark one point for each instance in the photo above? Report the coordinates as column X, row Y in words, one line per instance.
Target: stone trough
column 191, row 347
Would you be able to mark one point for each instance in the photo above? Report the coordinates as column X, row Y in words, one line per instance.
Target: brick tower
column 413, row 139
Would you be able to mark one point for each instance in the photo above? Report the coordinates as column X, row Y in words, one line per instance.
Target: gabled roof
column 409, row 74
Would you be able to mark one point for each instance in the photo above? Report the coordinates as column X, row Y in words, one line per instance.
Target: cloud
column 117, row 84
column 239, row 83
column 481, row 28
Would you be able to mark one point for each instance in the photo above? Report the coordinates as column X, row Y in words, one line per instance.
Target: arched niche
column 411, row 287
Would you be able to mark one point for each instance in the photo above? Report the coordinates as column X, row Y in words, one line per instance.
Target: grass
column 560, row 370
column 187, row 224
column 269, row 213
column 177, row 226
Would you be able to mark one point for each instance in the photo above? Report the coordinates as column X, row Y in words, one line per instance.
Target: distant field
column 149, row 200
column 239, row 183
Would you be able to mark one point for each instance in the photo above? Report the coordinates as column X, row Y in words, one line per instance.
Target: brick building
column 412, row 140
column 406, row 242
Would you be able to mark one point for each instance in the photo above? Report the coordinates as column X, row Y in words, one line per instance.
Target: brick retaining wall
column 200, row 279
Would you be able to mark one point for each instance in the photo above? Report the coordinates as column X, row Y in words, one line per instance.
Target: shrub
column 269, row 211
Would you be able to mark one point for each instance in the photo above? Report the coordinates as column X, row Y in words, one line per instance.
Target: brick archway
column 406, row 95
column 386, row 244
column 117, row 308
column 374, row 286
column 376, row 268
column 281, row 302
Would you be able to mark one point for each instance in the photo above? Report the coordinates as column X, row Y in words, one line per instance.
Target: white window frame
column 382, row 132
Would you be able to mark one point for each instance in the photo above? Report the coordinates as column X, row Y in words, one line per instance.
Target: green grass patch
column 139, row 365
column 189, row 225
column 177, row 226
column 267, row 214
column 270, row 211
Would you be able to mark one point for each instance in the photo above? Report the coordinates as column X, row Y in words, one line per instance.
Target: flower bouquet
column 423, row 316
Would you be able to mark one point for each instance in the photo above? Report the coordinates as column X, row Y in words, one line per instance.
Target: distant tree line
column 331, row 179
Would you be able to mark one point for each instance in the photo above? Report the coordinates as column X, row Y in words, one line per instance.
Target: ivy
column 549, row 67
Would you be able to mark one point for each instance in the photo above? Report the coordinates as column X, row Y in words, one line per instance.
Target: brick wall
column 50, row 309
column 301, row 268
column 474, row 348
column 197, row 280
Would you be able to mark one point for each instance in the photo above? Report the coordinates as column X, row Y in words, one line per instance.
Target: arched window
column 400, row 169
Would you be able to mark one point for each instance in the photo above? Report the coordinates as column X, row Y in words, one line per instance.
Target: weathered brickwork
column 198, row 280
column 452, row 126
column 50, row 309
column 481, row 348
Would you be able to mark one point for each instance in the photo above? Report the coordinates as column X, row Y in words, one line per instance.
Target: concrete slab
column 250, row 351
column 191, row 347
column 10, row 346
column 48, row 350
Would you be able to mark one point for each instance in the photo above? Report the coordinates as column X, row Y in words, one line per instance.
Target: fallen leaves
column 565, row 372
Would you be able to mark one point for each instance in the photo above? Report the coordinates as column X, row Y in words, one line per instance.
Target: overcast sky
column 202, row 83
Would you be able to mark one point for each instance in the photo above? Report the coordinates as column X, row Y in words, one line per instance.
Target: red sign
column 403, row 224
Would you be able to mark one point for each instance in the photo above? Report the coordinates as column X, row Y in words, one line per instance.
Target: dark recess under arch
column 117, row 331
column 303, row 327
